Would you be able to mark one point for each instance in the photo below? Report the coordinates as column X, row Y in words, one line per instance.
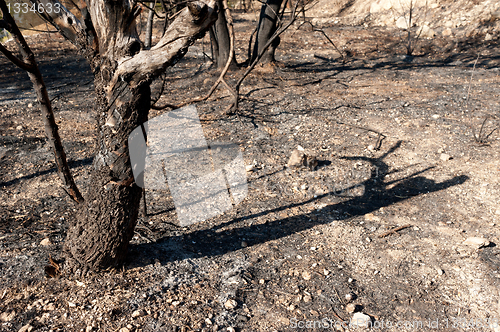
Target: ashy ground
column 408, row 172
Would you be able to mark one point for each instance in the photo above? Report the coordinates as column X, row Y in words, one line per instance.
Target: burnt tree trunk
column 149, row 26
column 220, row 40
column 266, row 28
column 99, row 235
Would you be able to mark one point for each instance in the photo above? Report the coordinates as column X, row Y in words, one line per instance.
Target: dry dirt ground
column 306, row 244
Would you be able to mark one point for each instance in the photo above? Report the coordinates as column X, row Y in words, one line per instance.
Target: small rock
column 250, row 168
column 368, row 240
column 244, row 244
column 349, row 297
column 444, row 157
column 447, row 32
column 401, row 23
column 45, row 242
column 350, row 280
column 208, row 321
column 350, row 308
column 326, row 272
column 306, row 275
column 477, row 242
column 436, row 116
column 291, row 307
column 7, row 316
column 307, row 298
column 30, row 105
column 50, row 307
column 124, row 329
column 360, row 320
column 371, row 148
column 138, row 313
column 297, row 159
column 71, row 304
column 230, row 304
column 440, row 272
column 230, row 329
column 426, row 32
column 26, row 328
column 371, row 217
column 89, row 328
column 262, row 281
column 488, row 37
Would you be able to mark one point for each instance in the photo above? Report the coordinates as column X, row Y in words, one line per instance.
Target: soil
column 403, row 143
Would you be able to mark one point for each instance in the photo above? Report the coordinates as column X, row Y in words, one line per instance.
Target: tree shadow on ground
column 212, row 242
column 71, row 163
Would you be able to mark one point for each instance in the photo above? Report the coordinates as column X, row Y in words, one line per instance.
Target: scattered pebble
column 230, row 304
column 26, row 328
column 444, row 157
column 360, row 320
column 350, row 308
column 477, row 242
column 7, row 316
column 371, row 217
column 250, row 168
column 45, row 242
column 138, row 313
column 297, row 158
column 50, row 307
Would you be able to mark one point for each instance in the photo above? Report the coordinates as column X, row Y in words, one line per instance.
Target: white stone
column 447, row 32
column 402, row 23
column 444, row 157
column 477, row 242
column 350, row 308
column 137, row 313
column 360, row 320
column 7, row 316
column 26, row 328
column 426, row 32
column 46, row 242
column 230, row 304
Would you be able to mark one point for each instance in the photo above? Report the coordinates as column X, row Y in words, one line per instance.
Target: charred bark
column 149, row 27
column 220, row 40
column 100, row 233
column 266, row 28
column 99, row 236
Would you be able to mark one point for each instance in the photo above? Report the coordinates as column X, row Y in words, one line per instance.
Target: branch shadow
column 71, row 163
column 213, row 242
